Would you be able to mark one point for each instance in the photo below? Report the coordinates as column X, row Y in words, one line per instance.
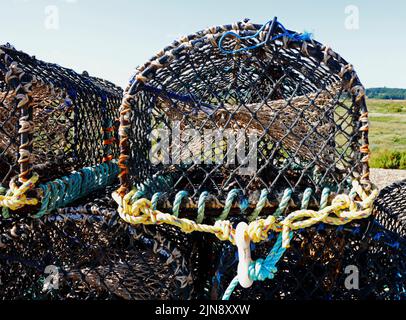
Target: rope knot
column 342, row 201
column 257, row 230
column 142, row 207
column 259, row 271
column 224, row 228
column 16, row 197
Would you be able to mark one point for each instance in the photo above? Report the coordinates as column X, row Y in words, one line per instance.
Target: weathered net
column 321, row 260
column 301, row 103
column 52, row 120
column 391, row 207
column 96, row 257
column 322, row 263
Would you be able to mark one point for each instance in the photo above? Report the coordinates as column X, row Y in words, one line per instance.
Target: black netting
column 320, row 263
column 391, row 207
column 53, row 120
column 320, row 260
column 302, row 102
column 97, row 257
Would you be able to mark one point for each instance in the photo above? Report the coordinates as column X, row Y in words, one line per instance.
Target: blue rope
column 261, row 270
column 285, row 33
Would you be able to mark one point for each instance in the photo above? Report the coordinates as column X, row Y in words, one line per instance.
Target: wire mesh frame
column 185, row 77
column 53, row 118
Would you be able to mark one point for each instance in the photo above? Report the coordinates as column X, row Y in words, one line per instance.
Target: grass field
column 387, row 133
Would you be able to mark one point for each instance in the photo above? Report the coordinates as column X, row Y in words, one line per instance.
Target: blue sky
column 110, row 38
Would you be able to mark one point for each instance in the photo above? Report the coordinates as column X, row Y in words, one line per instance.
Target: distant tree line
column 386, row 93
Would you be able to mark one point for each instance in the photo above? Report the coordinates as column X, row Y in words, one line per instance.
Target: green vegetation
column 386, row 93
column 387, row 135
column 389, row 160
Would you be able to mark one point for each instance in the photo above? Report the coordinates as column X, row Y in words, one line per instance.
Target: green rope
column 325, row 194
column 5, row 211
column 287, row 195
column 201, row 206
column 260, row 205
column 232, row 195
column 306, row 198
column 61, row 192
column 155, row 199
column 178, row 201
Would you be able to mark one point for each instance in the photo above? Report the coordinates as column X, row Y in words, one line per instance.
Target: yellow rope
column 343, row 209
column 16, row 197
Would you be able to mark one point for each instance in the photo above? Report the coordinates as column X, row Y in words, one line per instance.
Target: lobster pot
column 390, row 208
column 260, row 108
column 360, row 261
column 83, row 252
column 52, row 120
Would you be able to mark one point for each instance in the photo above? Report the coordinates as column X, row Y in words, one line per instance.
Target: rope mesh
column 302, row 102
column 99, row 257
column 52, row 120
column 96, row 257
column 319, row 265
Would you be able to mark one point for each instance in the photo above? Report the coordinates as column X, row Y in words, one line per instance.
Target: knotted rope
column 342, row 210
column 272, row 24
column 261, row 270
column 16, row 196
column 60, row 192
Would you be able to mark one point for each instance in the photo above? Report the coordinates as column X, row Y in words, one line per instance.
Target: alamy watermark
column 352, row 280
column 212, row 146
column 352, row 17
column 52, row 15
column 51, row 282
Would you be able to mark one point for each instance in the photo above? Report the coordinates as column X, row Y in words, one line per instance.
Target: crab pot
column 261, row 108
column 83, row 252
column 390, row 207
column 361, row 261
column 52, row 120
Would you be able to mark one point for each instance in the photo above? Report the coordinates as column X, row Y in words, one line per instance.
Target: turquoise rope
column 260, row 205
column 261, row 270
column 178, row 201
column 155, row 199
column 201, row 206
column 306, row 198
column 61, row 192
column 232, row 195
column 287, row 195
column 325, row 194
